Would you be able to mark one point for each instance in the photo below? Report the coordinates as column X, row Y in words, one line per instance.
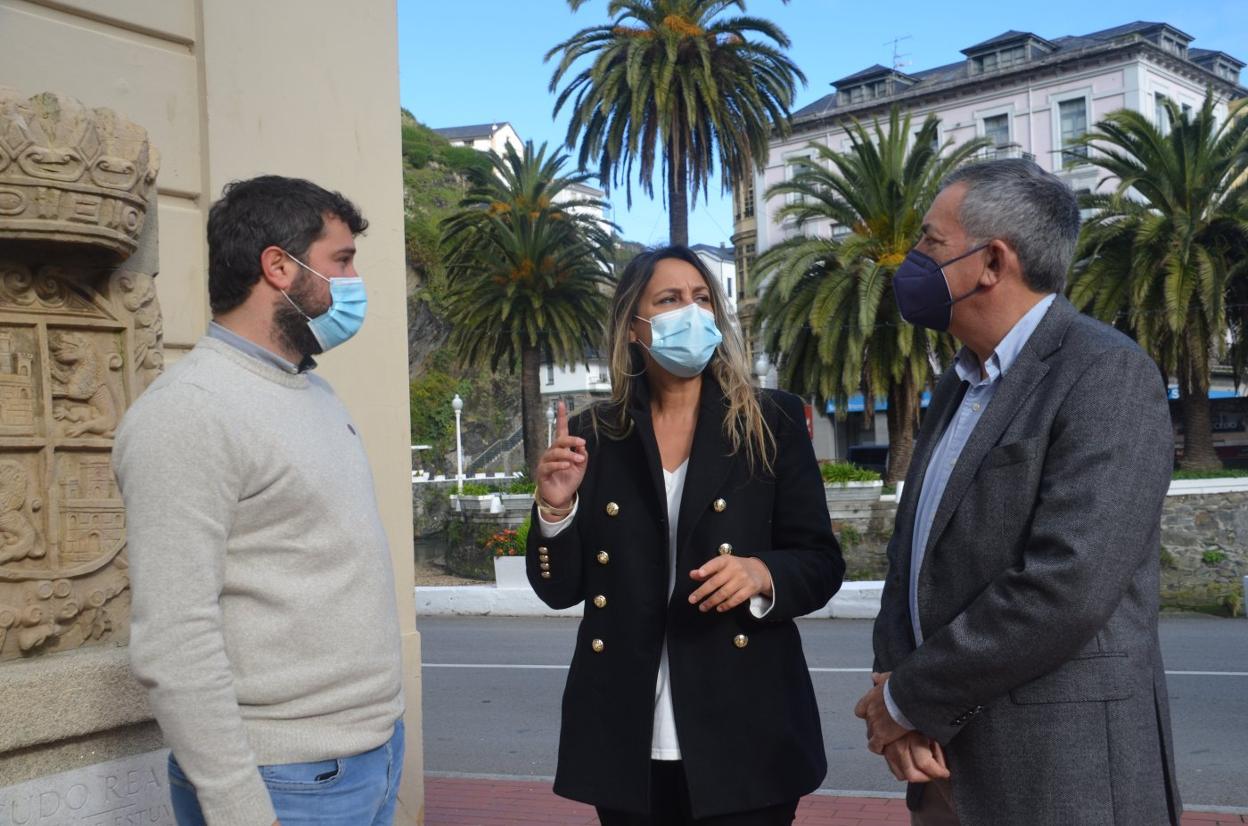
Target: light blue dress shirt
column 945, row 455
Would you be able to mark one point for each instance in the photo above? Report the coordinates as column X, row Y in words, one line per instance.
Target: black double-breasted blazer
column 745, row 709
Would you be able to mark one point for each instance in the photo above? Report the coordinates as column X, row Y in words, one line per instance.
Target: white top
column 664, row 745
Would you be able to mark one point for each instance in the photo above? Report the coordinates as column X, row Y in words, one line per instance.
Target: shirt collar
column 1007, row 351
column 254, row 350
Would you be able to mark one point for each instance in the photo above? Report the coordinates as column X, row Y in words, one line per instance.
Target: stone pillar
column 80, row 338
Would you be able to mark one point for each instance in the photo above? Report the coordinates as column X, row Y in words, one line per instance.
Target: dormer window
column 1173, row 46
column 1006, row 51
column 1003, row 59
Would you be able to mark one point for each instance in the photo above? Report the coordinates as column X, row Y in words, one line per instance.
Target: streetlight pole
column 457, row 404
column 550, row 424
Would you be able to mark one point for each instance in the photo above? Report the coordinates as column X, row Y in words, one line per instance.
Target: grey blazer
column 1040, row 670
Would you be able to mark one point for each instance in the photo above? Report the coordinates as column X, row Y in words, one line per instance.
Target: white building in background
column 585, row 192
column 484, row 137
column 1033, row 97
column 721, row 262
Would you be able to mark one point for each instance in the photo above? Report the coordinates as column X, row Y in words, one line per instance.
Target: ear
column 632, row 331
column 1000, row 260
column 278, row 268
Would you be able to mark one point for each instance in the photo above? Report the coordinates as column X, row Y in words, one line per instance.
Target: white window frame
column 992, row 112
column 1055, row 123
column 790, row 166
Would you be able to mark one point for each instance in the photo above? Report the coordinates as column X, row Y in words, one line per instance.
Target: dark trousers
column 669, row 805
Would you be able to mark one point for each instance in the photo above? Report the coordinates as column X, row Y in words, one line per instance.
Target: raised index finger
column 561, row 420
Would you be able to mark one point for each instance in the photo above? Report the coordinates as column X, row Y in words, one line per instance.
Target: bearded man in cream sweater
column 264, row 620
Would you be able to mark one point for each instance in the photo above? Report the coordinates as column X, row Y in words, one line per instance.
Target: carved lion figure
column 81, row 375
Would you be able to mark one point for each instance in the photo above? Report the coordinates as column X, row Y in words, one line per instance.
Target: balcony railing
column 1006, row 150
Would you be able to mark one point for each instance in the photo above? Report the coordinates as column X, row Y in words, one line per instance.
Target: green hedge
column 840, row 472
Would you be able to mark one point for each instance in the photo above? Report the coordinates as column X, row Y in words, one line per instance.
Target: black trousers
column 669, row 805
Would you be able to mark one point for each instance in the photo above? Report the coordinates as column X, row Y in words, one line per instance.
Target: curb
column 856, row 600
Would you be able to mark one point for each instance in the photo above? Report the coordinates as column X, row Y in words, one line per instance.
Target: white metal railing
column 421, row 477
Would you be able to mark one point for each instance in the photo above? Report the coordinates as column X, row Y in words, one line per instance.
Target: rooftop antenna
column 898, row 63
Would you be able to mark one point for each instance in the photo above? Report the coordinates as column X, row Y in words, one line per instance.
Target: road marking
column 533, row 667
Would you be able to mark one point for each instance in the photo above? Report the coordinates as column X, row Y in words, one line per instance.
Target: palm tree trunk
column 903, row 421
column 1198, row 452
column 532, row 417
column 677, row 197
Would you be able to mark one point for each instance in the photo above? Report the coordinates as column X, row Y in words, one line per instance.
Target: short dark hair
column 262, row 212
column 1034, row 211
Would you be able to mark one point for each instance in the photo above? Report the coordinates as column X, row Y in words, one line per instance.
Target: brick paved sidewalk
column 472, row 802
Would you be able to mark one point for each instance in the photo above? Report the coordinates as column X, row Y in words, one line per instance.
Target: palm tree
column 1167, row 245
column 527, row 268
column 826, row 311
column 669, row 79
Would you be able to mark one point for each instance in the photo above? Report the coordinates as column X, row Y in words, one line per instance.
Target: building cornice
column 1044, row 68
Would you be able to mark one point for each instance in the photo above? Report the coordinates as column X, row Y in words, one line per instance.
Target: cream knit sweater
column 264, row 621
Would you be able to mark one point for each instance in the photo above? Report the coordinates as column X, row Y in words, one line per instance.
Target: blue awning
column 1173, row 393
column 858, row 404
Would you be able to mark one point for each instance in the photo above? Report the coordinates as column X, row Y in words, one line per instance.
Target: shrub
column 418, row 145
column 467, row 161
column 1212, row 557
column 477, row 489
column 836, row 473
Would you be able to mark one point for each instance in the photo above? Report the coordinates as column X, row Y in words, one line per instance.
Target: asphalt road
column 492, row 688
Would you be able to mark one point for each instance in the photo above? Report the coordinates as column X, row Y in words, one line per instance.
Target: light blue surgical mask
column 683, row 341
column 345, row 316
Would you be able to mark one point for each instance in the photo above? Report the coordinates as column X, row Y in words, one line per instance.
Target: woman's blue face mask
column 922, row 290
column 682, row 341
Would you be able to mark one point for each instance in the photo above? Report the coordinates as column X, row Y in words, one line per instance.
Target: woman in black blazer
column 688, row 514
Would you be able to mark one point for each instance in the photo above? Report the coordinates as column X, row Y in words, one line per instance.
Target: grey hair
column 1034, row 211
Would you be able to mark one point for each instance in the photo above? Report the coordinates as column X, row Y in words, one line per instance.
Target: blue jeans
column 350, row 791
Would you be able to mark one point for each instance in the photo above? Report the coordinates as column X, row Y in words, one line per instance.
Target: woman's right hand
column 561, row 469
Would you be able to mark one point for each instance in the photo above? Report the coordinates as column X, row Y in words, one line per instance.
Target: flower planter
column 516, row 504
column 852, row 492
column 509, row 572
column 474, row 504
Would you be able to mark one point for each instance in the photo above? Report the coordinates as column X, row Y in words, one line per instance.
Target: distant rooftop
column 722, row 253
column 1015, row 51
column 467, row 133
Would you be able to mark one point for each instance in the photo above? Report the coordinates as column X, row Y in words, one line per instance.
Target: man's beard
column 290, row 325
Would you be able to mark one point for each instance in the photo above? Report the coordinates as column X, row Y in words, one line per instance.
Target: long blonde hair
column 744, row 425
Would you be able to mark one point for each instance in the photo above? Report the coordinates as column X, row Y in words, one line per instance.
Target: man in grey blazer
column 1020, row 680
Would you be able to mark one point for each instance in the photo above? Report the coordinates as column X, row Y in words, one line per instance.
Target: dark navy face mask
column 922, row 291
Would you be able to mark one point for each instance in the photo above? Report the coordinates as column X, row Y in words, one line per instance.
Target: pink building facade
column 1031, row 96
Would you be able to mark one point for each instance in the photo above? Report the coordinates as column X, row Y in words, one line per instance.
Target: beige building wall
column 229, row 89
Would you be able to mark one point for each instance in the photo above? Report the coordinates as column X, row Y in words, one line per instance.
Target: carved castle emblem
column 63, row 388
column 79, row 340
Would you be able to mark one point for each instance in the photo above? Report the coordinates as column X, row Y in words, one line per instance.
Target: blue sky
column 477, row 61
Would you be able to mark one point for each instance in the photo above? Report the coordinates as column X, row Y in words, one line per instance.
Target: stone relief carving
column 73, row 174
column 80, row 338
column 83, row 401
column 137, row 293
